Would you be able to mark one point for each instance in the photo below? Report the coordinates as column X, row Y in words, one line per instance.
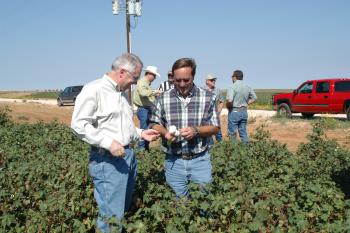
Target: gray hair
column 127, row 61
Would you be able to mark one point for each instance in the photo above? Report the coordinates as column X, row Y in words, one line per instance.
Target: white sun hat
column 152, row 70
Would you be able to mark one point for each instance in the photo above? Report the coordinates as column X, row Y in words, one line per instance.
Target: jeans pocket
column 169, row 163
column 95, row 169
column 205, row 157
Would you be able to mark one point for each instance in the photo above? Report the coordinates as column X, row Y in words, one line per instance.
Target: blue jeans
column 237, row 119
column 218, row 136
column 179, row 172
column 143, row 114
column 114, row 182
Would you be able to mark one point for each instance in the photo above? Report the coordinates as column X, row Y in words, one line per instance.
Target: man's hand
column 157, row 92
column 188, row 132
column 229, row 106
column 150, row 135
column 170, row 137
column 117, row 149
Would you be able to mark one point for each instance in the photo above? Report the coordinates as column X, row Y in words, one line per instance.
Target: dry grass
column 15, row 94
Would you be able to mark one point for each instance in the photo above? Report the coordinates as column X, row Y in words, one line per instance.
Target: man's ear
column 122, row 71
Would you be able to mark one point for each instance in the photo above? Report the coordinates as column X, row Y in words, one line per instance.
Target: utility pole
column 131, row 7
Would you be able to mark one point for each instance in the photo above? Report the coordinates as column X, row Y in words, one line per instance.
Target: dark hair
column 238, row 74
column 185, row 62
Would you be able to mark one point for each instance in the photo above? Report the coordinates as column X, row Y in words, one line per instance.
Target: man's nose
column 182, row 84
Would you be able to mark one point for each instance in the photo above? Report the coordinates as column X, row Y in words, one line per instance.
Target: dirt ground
column 289, row 132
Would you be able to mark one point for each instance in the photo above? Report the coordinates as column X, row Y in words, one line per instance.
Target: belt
column 190, row 155
column 146, row 107
column 239, row 108
column 103, row 151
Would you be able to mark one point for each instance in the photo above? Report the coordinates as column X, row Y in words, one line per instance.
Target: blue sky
column 276, row 43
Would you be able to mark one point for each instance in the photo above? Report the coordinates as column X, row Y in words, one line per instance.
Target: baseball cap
column 210, row 77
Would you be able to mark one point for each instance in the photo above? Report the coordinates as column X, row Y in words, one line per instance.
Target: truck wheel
column 283, row 110
column 348, row 114
column 59, row 102
column 307, row 115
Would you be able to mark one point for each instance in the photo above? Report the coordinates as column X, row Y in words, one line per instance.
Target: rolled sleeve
column 230, row 95
column 156, row 114
column 213, row 116
column 145, row 90
column 252, row 95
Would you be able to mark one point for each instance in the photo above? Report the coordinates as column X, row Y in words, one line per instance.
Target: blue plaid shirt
column 200, row 110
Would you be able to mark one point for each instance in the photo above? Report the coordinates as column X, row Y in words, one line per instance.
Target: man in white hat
column 144, row 97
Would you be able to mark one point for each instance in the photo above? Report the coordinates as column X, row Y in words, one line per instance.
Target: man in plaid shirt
column 193, row 111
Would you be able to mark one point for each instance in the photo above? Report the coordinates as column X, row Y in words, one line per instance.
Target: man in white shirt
column 103, row 118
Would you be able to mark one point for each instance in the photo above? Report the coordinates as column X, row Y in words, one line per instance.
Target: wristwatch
column 196, row 131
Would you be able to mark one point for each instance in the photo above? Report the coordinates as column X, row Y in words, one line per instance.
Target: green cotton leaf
column 255, row 226
column 262, row 215
column 8, row 219
column 204, row 206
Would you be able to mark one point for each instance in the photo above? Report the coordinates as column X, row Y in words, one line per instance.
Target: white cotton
column 174, row 131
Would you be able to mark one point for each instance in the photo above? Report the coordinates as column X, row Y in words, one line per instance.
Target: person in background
column 185, row 116
column 166, row 85
column 210, row 86
column 144, row 97
column 238, row 99
column 103, row 118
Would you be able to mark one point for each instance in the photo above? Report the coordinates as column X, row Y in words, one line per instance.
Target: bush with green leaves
column 260, row 187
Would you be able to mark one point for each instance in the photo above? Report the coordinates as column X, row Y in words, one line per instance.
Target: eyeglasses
column 132, row 75
column 184, row 80
column 212, row 80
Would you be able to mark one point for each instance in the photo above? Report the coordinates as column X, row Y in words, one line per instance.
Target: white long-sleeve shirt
column 102, row 114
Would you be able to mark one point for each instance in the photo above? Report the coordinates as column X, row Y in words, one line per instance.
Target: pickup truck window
column 306, row 88
column 77, row 88
column 342, row 86
column 322, row 87
column 66, row 90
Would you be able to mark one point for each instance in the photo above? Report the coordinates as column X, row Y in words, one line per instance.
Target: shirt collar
column 112, row 82
column 146, row 80
column 191, row 93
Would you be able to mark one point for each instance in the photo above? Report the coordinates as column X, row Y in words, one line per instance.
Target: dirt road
column 290, row 132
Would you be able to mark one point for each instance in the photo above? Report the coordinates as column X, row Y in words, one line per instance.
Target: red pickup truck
column 315, row 96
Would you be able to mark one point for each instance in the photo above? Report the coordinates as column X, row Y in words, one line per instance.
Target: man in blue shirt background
column 238, row 99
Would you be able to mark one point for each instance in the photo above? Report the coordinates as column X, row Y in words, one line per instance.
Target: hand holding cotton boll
column 172, row 134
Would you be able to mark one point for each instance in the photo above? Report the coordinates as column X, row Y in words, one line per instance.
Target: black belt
column 190, row 155
column 146, row 107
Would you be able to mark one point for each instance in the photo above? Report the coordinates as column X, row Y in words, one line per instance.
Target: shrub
column 260, row 187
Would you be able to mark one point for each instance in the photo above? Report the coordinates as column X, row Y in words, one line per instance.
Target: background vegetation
column 30, row 94
column 264, row 98
column 262, row 187
column 263, row 102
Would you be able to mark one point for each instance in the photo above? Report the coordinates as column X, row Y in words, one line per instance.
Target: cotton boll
column 174, row 131
column 177, row 133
